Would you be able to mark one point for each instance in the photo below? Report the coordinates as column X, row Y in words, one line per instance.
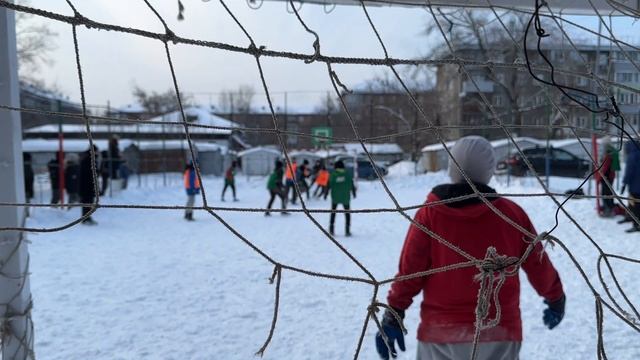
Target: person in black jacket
column 28, row 176
column 28, row 179
column 71, row 179
column 105, row 170
column 86, row 184
column 54, row 178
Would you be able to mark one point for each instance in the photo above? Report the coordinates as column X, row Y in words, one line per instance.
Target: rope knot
column 493, row 263
column 79, row 19
column 374, row 308
column 169, row 36
column 256, row 51
column 494, row 269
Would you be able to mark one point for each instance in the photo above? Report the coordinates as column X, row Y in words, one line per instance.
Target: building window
column 582, row 81
column 498, row 100
column 624, row 77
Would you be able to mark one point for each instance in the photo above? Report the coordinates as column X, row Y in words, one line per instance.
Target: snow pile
column 404, row 168
column 147, row 284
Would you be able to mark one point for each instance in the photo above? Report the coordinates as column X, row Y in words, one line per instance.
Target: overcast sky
column 113, row 62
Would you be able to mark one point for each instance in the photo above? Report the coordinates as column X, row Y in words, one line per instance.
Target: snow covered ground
column 145, row 284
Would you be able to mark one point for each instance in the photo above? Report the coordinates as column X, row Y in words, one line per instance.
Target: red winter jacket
column 447, row 311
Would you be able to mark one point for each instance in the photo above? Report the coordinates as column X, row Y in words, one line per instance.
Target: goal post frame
column 15, row 295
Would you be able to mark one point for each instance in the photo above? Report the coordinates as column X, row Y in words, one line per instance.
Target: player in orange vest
column 322, row 182
column 289, row 175
column 192, row 186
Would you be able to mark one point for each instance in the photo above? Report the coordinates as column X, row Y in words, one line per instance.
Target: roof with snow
column 194, row 115
column 494, row 143
column 71, row 145
column 80, row 145
column 134, row 108
column 373, row 148
column 259, row 149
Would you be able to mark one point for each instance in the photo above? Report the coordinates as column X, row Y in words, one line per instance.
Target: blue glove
column 554, row 313
column 394, row 333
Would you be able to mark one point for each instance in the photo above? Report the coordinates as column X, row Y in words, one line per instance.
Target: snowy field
column 146, row 284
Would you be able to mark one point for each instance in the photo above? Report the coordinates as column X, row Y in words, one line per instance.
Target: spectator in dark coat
column 87, row 186
column 105, row 170
column 631, row 180
column 124, row 171
column 28, row 176
column 54, row 178
column 71, row 179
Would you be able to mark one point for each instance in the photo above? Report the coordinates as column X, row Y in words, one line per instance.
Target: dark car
column 365, row 168
column 561, row 163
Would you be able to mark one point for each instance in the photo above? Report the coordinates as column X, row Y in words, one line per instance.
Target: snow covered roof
column 177, row 145
column 437, row 146
column 80, row 145
column 71, row 145
column 38, row 91
column 304, row 153
column 134, row 108
column 382, row 148
column 200, row 116
column 196, row 115
column 494, row 143
column 259, row 149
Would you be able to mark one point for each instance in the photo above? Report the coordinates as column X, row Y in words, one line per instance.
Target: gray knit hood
column 476, row 158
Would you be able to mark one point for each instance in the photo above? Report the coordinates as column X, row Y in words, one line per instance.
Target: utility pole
column 286, row 117
column 15, row 293
column 60, row 183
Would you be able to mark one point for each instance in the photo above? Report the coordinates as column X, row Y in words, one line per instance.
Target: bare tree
column 237, row 101
column 480, row 36
column 35, row 42
column 417, row 79
column 327, row 105
column 159, row 103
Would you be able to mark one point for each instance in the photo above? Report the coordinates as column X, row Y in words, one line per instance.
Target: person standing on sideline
column 192, row 186
column 230, row 180
column 124, row 172
column 341, row 186
column 105, row 170
column 448, row 313
column 608, row 172
column 28, row 178
column 290, row 175
column 322, row 182
column 71, row 179
column 302, row 173
column 87, row 187
column 54, row 178
column 631, row 180
column 276, row 188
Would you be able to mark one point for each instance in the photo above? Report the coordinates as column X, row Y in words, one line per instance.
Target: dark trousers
column 304, row 187
column 105, row 183
column 279, row 192
column 290, row 187
column 85, row 209
column 332, row 218
column 634, row 206
column 55, row 196
column 233, row 188
column 607, row 204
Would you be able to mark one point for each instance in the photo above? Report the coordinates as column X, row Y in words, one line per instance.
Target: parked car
column 365, row 168
column 561, row 163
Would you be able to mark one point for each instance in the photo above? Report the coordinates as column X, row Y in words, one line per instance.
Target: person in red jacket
column 448, row 308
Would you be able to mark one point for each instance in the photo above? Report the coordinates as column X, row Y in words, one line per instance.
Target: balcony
column 485, row 86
